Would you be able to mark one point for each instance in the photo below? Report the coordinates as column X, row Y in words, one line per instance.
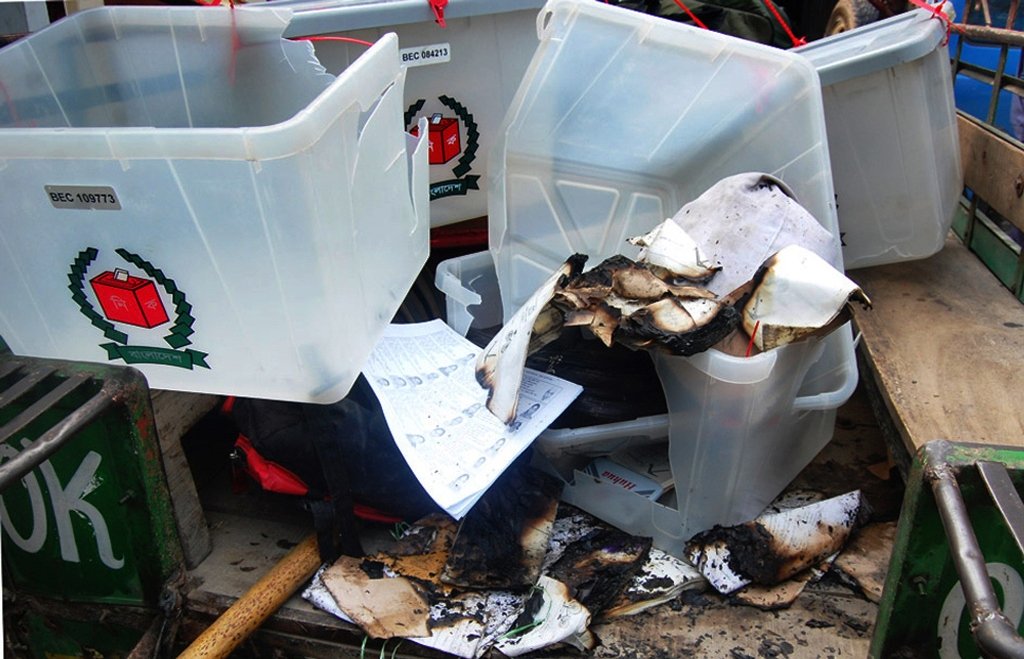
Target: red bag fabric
column 271, row 476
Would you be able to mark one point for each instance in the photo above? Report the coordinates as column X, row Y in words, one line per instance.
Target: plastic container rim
column 312, row 17
column 915, row 37
column 297, row 124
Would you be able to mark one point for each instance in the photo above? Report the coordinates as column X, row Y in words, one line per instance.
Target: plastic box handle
column 829, row 400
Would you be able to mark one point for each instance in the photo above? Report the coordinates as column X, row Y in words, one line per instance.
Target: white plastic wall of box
column 467, row 71
column 256, row 194
column 892, row 132
column 738, row 429
column 622, row 118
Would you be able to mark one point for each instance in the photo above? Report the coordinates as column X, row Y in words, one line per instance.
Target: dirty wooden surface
column 829, row 619
column 175, row 413
column 821, row 623
column 263, row 599
column 944, row 344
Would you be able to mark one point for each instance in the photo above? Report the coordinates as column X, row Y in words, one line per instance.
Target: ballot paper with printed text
column 423, row 375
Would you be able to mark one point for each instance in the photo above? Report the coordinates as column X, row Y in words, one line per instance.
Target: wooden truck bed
column 939, row 355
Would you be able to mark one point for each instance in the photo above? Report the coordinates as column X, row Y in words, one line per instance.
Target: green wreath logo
column 134, row 301
column 440, row 144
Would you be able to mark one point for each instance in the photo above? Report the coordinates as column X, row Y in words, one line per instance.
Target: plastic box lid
column 892, row 130
column 622, row 118
column 463, row 74
column 227, row 174
column 323, row 16
column 873, row 47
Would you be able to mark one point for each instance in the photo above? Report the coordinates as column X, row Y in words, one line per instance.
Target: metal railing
column 996, row 235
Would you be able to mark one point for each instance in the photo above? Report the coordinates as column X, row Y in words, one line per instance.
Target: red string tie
column 937, row 13
column 793, row 39
column 750, row 344
column 437, row 6
column 693, row 17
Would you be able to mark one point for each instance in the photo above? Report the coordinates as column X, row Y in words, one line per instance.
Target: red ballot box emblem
column 443, row 139
column 128, row 299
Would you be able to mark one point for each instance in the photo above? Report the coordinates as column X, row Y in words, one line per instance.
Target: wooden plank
column 945, row 345
column 993, row 167
column 244, row 549
column 176, row 412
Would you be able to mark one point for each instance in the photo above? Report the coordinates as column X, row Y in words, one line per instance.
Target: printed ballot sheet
column 423, row 375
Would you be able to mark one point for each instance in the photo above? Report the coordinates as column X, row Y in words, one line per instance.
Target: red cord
column 936, row 12
column 361, row 42
column 437, row 6
column 795, row 40
column 371, row 514
column 693, row 17
column 750, row 344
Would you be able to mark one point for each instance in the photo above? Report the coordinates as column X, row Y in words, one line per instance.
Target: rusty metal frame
column 994, row 634
column 50, row 442
column 1004, row 37
column 999, row 80
column 89, row 393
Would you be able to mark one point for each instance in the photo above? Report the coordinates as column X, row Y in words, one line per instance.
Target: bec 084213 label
column 437, row 53
column 95, row 197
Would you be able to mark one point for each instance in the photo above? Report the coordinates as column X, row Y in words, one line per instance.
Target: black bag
column 342, row 454
column 746, row 19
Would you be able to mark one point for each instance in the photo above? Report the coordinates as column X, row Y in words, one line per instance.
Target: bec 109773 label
column 96, row 197
column 437, row 53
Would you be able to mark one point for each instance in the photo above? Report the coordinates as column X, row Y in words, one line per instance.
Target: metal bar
column 1014, row 85
column 993, row 104
column 49, row 442
column 995, row 635
column 960, row 42
column 1010, row 83
column 969, row 7
column 972, row 219
column 18, row 389
column 149, row 644
column 1007, row 500
column 1018, row 275
column 995, row 35
column 8, row 367
column 976, row 72
column 31, row 413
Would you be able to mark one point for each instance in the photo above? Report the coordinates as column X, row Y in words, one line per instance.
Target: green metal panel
column 93, row 522
column 993, row 247
column 922, row 612
column 996, row 251
column 980, row 233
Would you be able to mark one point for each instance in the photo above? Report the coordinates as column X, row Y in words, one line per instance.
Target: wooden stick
column 257, row 604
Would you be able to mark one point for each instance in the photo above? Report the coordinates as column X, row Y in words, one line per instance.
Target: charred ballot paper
column 742, row 266
column 423, row 376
